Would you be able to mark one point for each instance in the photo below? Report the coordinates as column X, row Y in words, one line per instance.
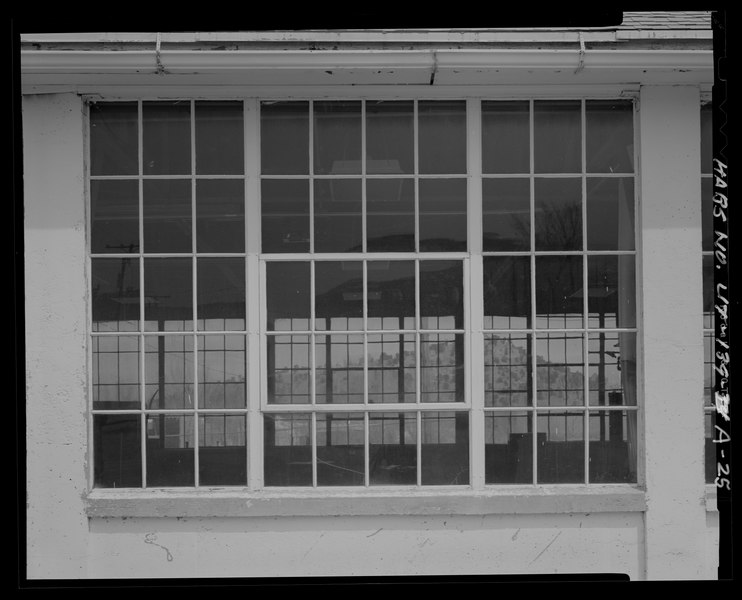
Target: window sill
column 337, row 503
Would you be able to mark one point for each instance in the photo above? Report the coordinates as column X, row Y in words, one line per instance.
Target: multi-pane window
column 435, row 282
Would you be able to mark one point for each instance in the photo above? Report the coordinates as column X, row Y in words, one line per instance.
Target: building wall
column 674, row 539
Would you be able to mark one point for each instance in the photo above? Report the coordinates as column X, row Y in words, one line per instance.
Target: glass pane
column 288, row 296
column 708, row 291
column 114, row 138
column 709, row 379
column 557, row 136
column 610, row 213
column 560, row 370
column 167, row 137
column 707, row 214
column 506, row 214
column 284, row 138
column 338, row 370
column 391, row 294
column 442, row 215
column 114, row 216
column 508, row 448
column 707, row 138
column 445, row 448
column 340, row 449
column 609, row 136
column 390, row 215
column 507, row 292
column 168, row 294
column 558, row 292
column 221, row 293
column 285, row 215
column 442, row 136
column 222, row 452
column 558, row 214
column 117, row 451
column 611, row 300
column 168, row 371
column 338, row 300
column 612, row 374
column 507, row 370
column 167, row 215
column 391, row 368
column 389, row 137
column 561, row 448
column 710, row 459
column 287, row 449
column 221, row 371
column 338, row 224
column 613, row 440
column 442, row 367
column 287, row 364
column 170, row 451
column 116, row 373
column 392, row 448
column 219, row 138
column 441, row 294
column 337, row 137
column 505, row 137
column 115, row 294
column 220, row 215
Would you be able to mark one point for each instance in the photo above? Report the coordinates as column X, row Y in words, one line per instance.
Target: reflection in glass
column 288, row 370
column 441, row 294
column 288, row 296
column 115, row 294
column 115, row 372
column 117, row 451
column 442, row 367
column 560, row 369
column 707, row 214
column 505, row 137
column 114, row 138
column 392, row 448
column 170, row 451
column 557, row 136
column 220, row 215
column 558, row 291
column 166, row 131
column 612, row 446
column 219, row 138
column 560, row 453
column 168, row 371
column 610, row 213
column 114, row 216
column 506, row 209
column 389, row 136
column 442, row 224
column 442, row 136
column 507, row 370
column 222, row 452
column 221, row 293
column 612, row 372
column 507, row 292
column 337, row 137
column 284, row 138
column 285, row 215
column 338, row 299
column 611, row 300
column 167, row 215
column 609, row 136
column 508, row 448
column 390, row 215
column 338, row 223
column 445, row 448
column 391, row 294
column 168, row 294
column 708, row 291
column 558, row 214
column 338, row 371
column 340, row 449
column 287, row 449
column 391, row 368
column 221, row 371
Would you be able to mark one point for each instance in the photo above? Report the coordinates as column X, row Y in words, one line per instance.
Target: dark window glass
column 560, row 449
column 221, row 371
column 609, row 136
column 168, row 294
column 707, row 214
column 115, row 371
column 710, row 463
column 220, row 148
column 611, row 300
column 285, row 215
column 115, row 294
column 167, row 215
column 167, row 137
column 610, row 213
column 505, row 137
column 287, row 362
column 391, row 294
column 708, row 291
column 508, row 448
column 392, row 448
column 612, row 446
column 114, row 138
column 287, row 449
column 338, row 371
column 442, row 367
column 168, row 371
column 338, row 300
column 445, row 448
column 442, row 136
column 557, row 133
column 441, row 294
column 117, row 451
column 222, row 452
column 389, row 137
column 337, row 137
column 288, row 296
column 390, row 215
column 559, row 291
column 612, row 368
column 338, row 224
column 170, row 451
column 114, row 216
column 221, row 293
column 558, row 214
column 708, row 369
column 340, row 449
column 707, row 165
column 507, row 292
column 220, row 215
column 391, row 368
column 507, row 370
column 560, row 370
column 284, row 138
column 442, row 215
column 506, row 214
